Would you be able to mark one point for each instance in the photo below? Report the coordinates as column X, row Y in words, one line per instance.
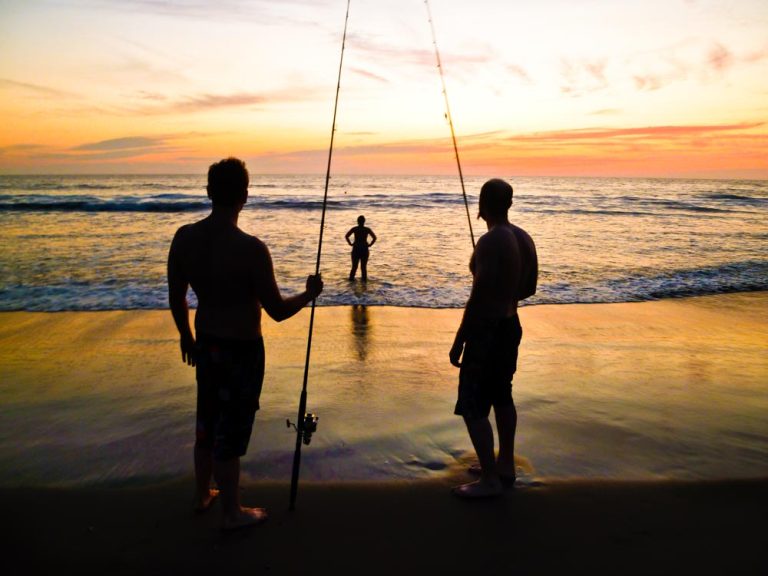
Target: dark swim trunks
column 487, row 367
column 360, row 251
column 229, row 378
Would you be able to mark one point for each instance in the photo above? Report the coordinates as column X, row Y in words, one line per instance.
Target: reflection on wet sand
column 360, row 329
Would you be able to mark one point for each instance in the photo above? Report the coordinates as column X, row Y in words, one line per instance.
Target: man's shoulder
column 183, row 232
column 502, row 238
column 190, row 228
column 249, row 238
column 496, row 235
column 522, row 235
column 492, row 242
column 251, row 243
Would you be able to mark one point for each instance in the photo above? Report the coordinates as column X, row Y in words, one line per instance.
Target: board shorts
column 230, row 374
column 360, row 251
column 487, row 366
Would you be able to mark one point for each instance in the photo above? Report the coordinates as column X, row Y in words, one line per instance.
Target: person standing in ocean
column 504, row 268
column 232, row 275
column 360, row 247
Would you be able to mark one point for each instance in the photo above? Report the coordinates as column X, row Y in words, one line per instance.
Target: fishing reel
column 306, row 427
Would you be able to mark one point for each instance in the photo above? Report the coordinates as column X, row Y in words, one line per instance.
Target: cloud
column 154, row 96
column 597, row 139
column 159, row 104
column 419, row 57
column 605, row 112
column 266, row 11
column 211, row 101
column 719, row 58
column 123, row 148
column 694, row 58
column 404, row 150
column 755, row 56
column 21, row 147
column 368, row 74
column 359, row 133
column 34, row 88
column 649, row 82
column 97, row 156
column 481, row 138
column 519, row 72
column 20, row 150
column 646, row 132
column 127, row 143
column 596, row 70
column 582, row 77
column 202, row 102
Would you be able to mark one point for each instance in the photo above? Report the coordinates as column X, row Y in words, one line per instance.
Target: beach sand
column 551, row 525
column 395, row 528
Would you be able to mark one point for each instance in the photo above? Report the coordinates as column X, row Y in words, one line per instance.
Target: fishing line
column 306, row 423
column 450, row 120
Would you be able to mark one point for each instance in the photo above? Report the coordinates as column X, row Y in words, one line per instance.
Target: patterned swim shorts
column 487, row 367
column 230, row 374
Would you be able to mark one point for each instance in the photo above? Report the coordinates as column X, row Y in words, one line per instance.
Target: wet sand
column 553, row 524
column 672, row 389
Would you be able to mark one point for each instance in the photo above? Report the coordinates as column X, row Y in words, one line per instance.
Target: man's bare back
column 233, row 276
column 228, row 270
column 504, row 268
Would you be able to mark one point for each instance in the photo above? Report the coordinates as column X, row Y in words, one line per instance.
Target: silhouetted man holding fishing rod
column 232, row 275
column 504, row 268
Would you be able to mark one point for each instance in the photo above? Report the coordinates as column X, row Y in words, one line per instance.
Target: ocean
column 101, row 242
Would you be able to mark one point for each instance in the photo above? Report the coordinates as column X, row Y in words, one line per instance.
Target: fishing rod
column 306, row 422
column 450, row 119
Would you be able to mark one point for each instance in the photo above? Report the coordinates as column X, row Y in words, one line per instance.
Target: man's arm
column 278, row 307
column 177, row 298
column 348, row 234
column 528, row 287
column 530, row 266
column 373, row 236
column 482, row 282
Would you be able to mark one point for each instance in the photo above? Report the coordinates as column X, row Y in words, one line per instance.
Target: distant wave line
column 187, row 203
column 137, row 294
column 178, row 199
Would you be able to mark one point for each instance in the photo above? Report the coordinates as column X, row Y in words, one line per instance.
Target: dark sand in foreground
column 396, row 528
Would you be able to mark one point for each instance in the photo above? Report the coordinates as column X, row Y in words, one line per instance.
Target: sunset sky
column 552, row 87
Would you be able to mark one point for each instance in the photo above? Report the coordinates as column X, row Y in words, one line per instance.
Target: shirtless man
column 232, row 275
column 360, row 247
column 504, row 267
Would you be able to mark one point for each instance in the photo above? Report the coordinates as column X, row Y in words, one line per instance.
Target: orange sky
column 592, row 88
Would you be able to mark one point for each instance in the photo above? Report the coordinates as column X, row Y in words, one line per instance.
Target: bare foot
column 245, row 518
column 479, row 489
column 204, row 503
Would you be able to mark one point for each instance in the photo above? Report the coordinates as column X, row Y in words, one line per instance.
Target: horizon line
column 761, row 176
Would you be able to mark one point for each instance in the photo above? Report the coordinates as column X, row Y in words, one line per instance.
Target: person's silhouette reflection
column 360, row 329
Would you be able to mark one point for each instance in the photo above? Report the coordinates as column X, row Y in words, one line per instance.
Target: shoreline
column 522, row 306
